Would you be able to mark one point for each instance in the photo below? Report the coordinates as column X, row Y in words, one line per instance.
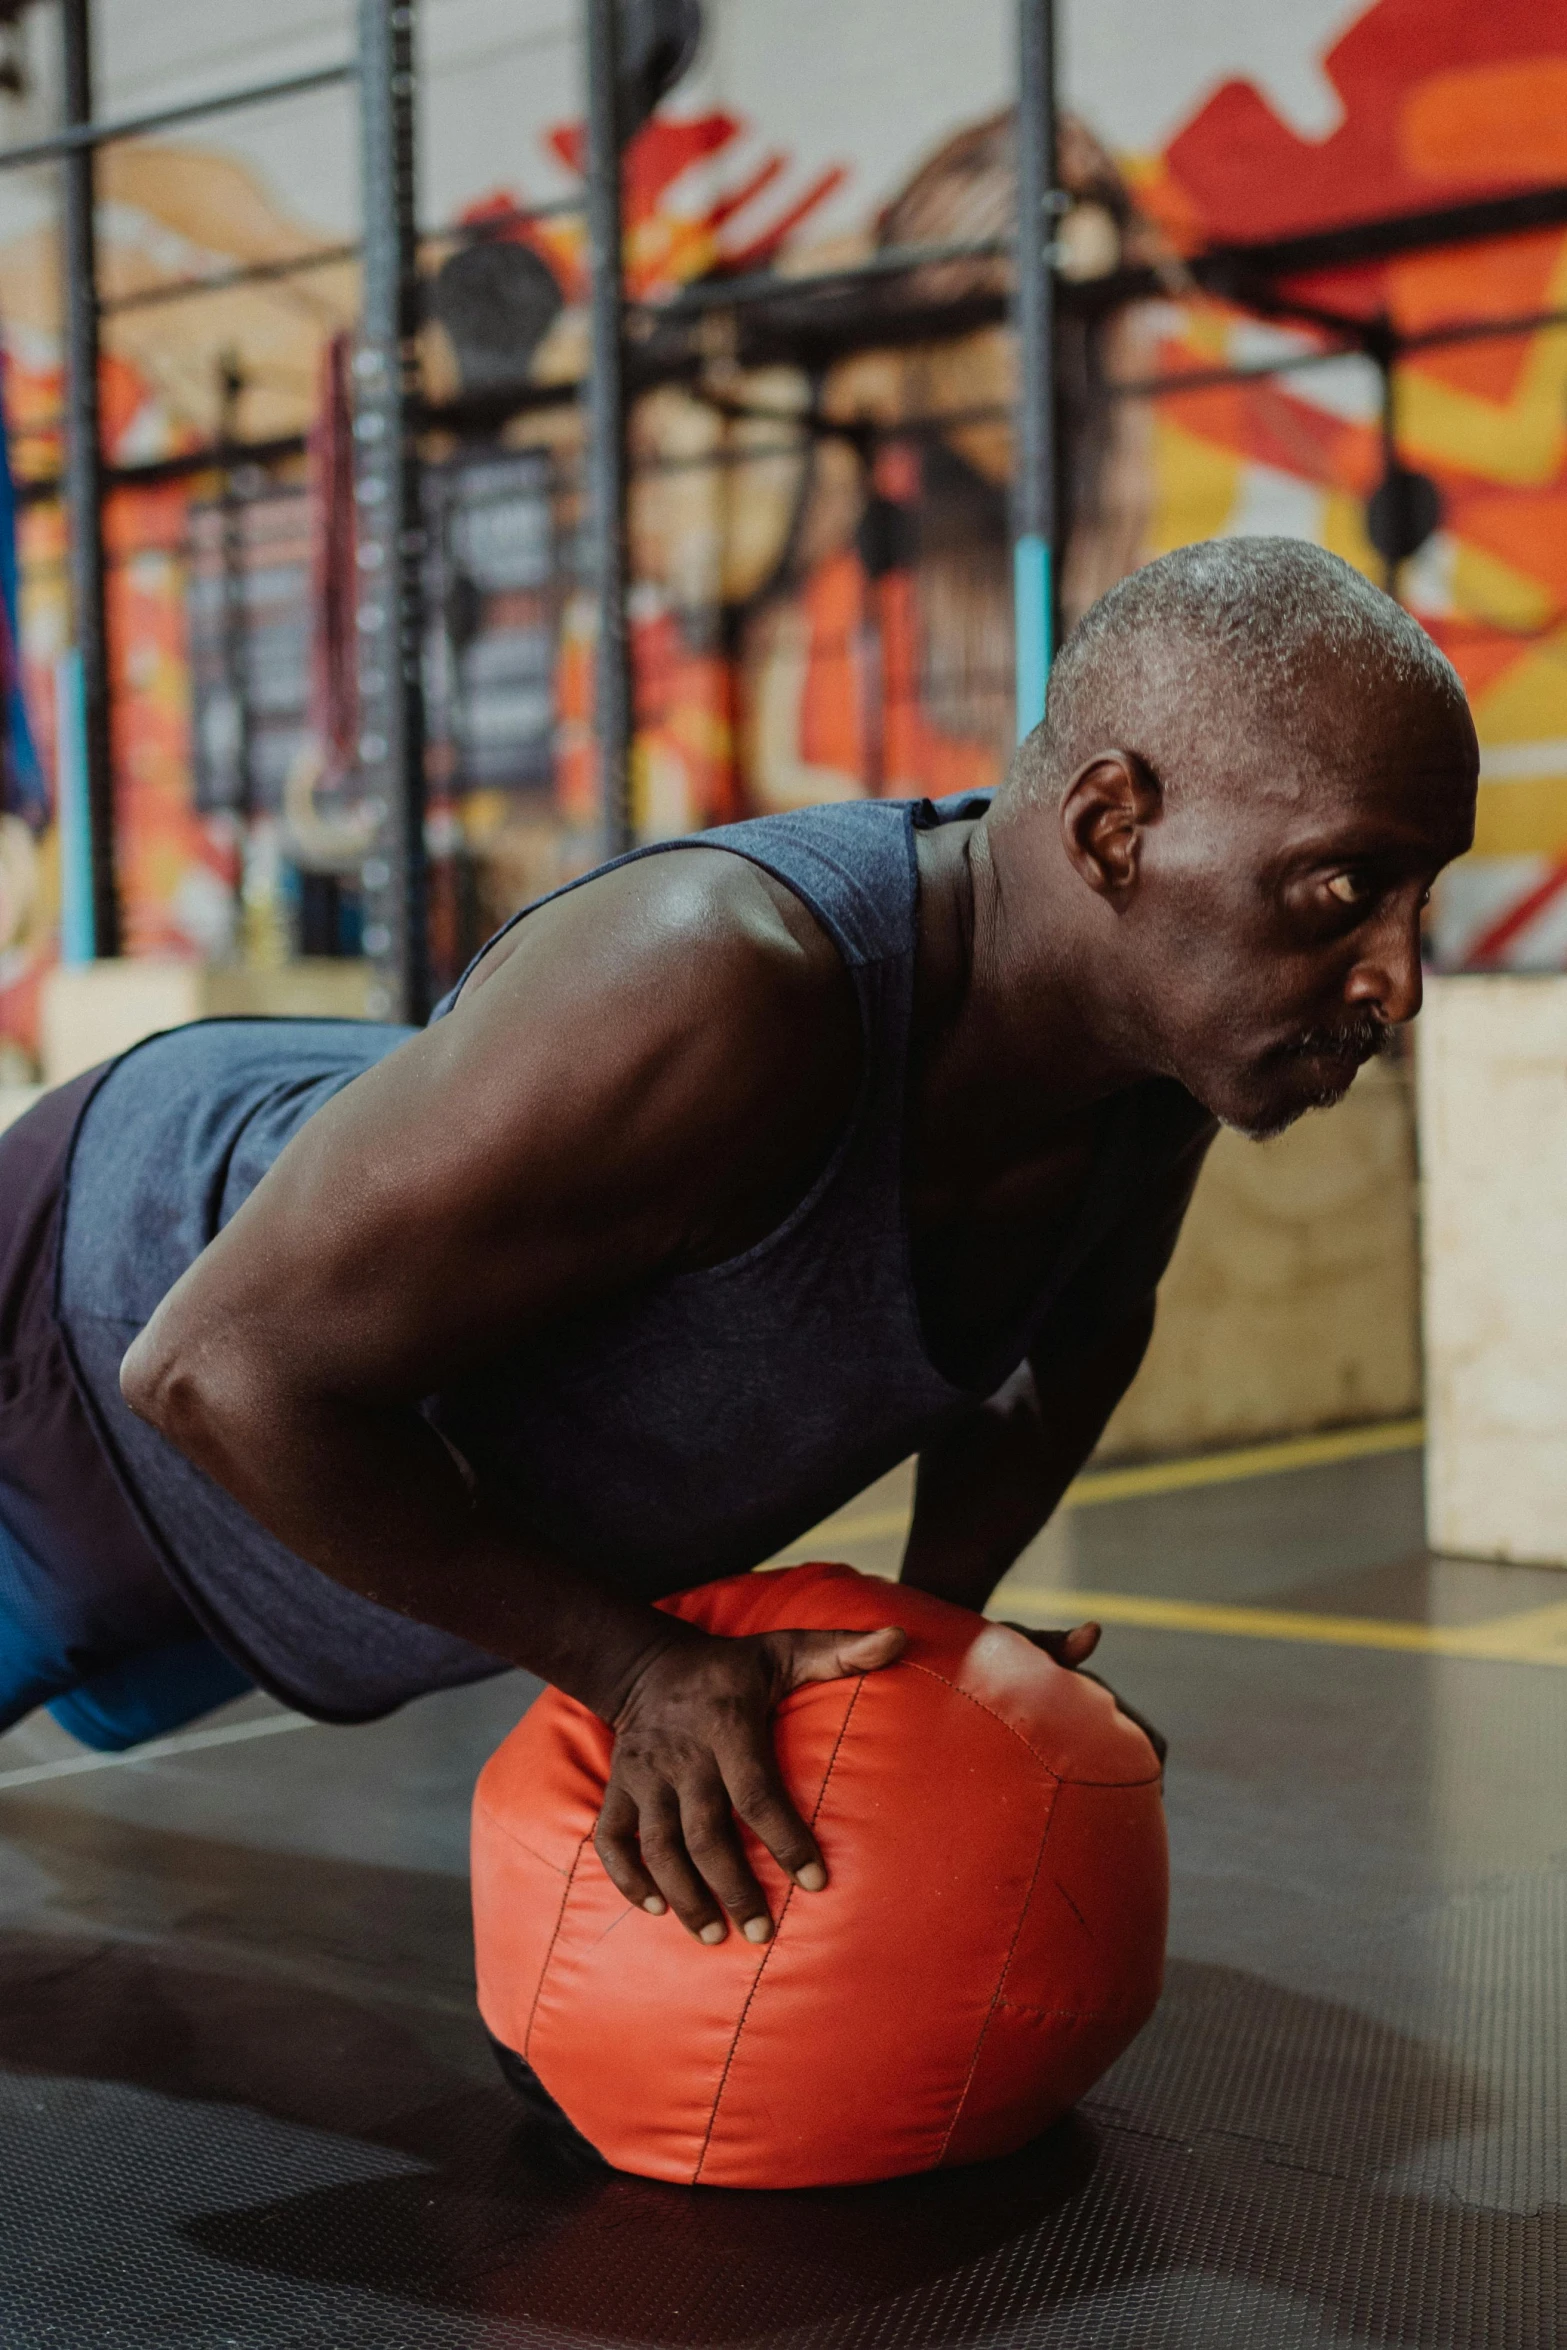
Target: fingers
column 679, row 1849
column 693, row 1749
column 1156, row 1738
column 711, row 1840
column 615, row 1842
column 830, row 1656
column 756, row 1789
column 1072, row 1648
column 664, row 1856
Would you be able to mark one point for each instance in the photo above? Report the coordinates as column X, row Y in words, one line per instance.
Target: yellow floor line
column 1251, row 1460
column 1210, row 1468
column 1537, row 1636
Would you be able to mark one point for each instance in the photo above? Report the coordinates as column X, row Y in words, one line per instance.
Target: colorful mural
column 1440, row 102
column 821, row 603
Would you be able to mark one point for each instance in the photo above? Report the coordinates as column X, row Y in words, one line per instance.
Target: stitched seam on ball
column 560, row 1920
column 1006, row 1964
column 1066, row 2015
column 1060, row 1777
column 493, row 1820
column 734, row 2045
column 979, row 1703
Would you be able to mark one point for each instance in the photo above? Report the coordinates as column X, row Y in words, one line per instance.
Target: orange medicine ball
column 990, row 1939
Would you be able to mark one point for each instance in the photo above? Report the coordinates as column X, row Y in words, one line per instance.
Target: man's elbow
column 150, row 1378
column 175, row 1386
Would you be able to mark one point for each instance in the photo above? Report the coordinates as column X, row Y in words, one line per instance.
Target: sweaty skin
column 647, row 1074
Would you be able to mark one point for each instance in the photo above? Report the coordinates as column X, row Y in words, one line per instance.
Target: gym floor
column 247, row 2100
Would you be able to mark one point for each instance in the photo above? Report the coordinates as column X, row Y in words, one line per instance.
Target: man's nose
column 1387, row 977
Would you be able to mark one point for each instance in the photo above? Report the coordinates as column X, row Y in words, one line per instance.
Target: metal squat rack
column 389, row 539
column 387, row 417
column 768, row 316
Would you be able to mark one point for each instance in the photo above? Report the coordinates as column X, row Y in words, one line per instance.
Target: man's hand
column 693, row 1748
column 1074, row 1648
column 1071, row 1649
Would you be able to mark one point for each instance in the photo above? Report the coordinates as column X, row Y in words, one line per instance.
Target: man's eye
column 1349, row 889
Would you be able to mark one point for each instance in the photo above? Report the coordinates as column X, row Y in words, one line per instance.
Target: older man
column 731, row 1176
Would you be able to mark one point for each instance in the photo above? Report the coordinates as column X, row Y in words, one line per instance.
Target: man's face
column 1280, row 914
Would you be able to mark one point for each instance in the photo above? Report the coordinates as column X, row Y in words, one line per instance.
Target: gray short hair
column 1251, row 620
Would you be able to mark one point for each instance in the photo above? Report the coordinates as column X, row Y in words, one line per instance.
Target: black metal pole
column 389, row 522
column 1383, row 348
column 606, row 537
column 1035, row 570
column 84, row 477
column 236, row 610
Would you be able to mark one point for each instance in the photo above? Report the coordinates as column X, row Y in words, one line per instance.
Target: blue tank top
column 663, row 1439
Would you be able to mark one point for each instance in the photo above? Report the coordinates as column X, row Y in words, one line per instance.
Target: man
column 731, row 1177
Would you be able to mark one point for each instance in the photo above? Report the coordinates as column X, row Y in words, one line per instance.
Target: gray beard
column 1363, row 1035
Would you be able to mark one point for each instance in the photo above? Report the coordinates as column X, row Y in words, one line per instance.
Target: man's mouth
column 1351, row 1041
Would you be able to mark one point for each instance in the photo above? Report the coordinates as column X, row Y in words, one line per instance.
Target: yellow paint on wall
column 1528, row 703
column 1344, row 533
column 1519, row 441
column 1526, row 817
column 1487, row 589
column 1196, row 484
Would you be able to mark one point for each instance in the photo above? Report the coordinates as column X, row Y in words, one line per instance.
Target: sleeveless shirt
column 660, row 1439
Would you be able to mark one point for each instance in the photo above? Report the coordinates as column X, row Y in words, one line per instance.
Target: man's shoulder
column 695, row 962
column 731, row 923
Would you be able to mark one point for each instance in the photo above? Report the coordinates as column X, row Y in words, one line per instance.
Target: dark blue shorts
column 90, row 1625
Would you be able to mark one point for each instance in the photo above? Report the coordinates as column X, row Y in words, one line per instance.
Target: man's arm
column 625, row 1092
column 984, row 1490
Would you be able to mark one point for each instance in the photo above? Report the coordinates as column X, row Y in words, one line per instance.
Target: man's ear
column 1107, row 807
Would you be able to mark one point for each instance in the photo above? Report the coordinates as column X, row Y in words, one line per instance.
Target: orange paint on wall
column 832, row 714
column 1527, row 529
column 1510, row 115
column 1272, row 427
column 1510, row 277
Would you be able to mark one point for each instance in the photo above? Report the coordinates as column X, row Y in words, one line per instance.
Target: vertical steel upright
column 1034, row 576
column 389, row 605
column 1382, row 348
column 233, row 575
column 606, row 534
column 84, row 476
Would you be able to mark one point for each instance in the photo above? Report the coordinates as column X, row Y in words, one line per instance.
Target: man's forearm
column 371, row 1496
column 985, row 1489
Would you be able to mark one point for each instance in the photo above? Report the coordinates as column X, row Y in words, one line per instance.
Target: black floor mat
column 244, row 2099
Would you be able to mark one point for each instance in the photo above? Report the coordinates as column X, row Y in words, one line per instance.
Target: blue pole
column 1035, row 523
column 1032, row 601
column 73, row 810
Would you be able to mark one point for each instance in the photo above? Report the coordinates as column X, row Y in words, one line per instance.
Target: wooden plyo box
column 1292, row 1302
column 1493, row 1153
column 91, row 1011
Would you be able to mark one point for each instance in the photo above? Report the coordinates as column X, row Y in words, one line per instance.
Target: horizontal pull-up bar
column 770, row 285
column 256, row 273
column 1387, row 236
column 78, row 136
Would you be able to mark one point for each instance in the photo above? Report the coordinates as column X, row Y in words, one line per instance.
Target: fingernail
column 712, row 1933
column 655, row 1905
column 757, row 1929
column 811, row 1878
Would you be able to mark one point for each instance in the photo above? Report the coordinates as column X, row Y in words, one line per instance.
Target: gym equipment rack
column 766, row 317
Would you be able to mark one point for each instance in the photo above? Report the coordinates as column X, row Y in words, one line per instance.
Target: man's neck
column 1003, row 1057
